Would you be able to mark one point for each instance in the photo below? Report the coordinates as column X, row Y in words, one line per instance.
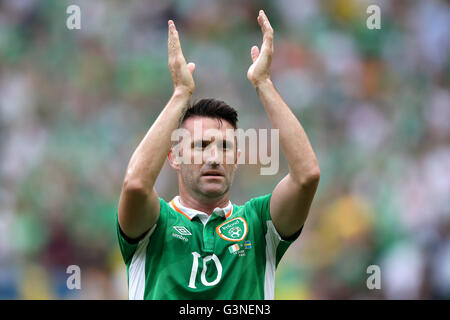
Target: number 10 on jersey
column 203, row 275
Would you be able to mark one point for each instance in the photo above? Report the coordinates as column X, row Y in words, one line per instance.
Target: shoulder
column 256, row 210
column 259, row 205
column 165, row 211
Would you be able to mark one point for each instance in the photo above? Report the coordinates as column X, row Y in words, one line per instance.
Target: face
column 207, row 157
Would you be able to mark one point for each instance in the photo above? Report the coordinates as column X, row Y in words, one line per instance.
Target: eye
column 197, row 145
column 200, row 144
column 204, row 144
column 227, row 145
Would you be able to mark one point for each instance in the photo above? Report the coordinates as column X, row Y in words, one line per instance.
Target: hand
column 259, row 71
column 181, row 72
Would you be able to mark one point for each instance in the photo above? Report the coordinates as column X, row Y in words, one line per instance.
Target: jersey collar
column 190, row 213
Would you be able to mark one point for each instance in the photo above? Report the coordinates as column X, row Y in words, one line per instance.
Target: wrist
column 263, row 84
column 182, row 92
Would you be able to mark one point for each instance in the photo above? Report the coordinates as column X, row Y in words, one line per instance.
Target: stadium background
column 375, row 104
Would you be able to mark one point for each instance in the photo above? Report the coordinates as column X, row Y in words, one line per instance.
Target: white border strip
column 136, row 271
column 272, row 241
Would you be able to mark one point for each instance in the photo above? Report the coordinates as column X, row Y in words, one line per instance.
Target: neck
column 206, row 205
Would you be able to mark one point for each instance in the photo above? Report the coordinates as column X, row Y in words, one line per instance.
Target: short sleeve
column 262, row 206
column 127, row 245
column 276, row 245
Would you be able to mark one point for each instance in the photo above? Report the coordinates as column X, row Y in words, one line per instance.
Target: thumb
column 254, row 53
column 191, row 67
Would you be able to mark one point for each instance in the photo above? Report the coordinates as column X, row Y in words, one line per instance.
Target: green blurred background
column 375, row 104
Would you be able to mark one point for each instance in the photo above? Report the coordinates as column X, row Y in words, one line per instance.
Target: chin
column 214, row 191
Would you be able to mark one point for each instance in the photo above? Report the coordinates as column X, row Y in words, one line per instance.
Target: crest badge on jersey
column 233, row 230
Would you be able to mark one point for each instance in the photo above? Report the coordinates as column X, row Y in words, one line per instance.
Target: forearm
column 294, row 142
column 149, row 157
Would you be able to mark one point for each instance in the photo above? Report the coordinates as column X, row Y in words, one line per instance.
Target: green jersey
column 230, row 255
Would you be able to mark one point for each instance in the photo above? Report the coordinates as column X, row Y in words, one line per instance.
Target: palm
column 260, row 69
column 182, row 76
column 181, row 72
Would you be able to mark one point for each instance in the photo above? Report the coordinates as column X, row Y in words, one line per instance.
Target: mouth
column 213, row 174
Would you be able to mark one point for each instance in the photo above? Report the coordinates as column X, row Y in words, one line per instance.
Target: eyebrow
column 230, row 142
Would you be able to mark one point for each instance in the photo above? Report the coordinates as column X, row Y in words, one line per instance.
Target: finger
column 254, row 52
column 174, row 46
column 260, row 20
column 173, row 41
column 264, row 21
column 191, row 67
column 267, row 31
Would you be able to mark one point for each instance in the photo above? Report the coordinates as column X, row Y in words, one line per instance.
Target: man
column 200, row 245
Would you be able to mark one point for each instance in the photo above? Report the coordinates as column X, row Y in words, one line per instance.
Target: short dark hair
column 212, row 108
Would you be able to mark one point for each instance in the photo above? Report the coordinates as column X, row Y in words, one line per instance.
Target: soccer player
column 200, row 245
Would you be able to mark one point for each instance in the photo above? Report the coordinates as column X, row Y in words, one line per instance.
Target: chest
column 230, row 237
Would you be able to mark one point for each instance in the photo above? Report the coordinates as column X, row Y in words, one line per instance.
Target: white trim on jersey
column 136, row 271
column 203, row 216
column 272, row 241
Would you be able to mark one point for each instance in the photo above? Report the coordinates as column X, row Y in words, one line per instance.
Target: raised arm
column 292, row 197
column 138, row 204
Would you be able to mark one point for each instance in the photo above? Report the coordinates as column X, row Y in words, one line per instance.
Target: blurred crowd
column 74, row 104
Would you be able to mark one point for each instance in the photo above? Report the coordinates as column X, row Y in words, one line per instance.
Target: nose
column 213, row 156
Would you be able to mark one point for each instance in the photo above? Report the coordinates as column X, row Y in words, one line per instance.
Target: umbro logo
column 182, row 230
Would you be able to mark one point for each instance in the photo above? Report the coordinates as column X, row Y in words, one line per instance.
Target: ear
column 174, row 160
column 237, row 158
